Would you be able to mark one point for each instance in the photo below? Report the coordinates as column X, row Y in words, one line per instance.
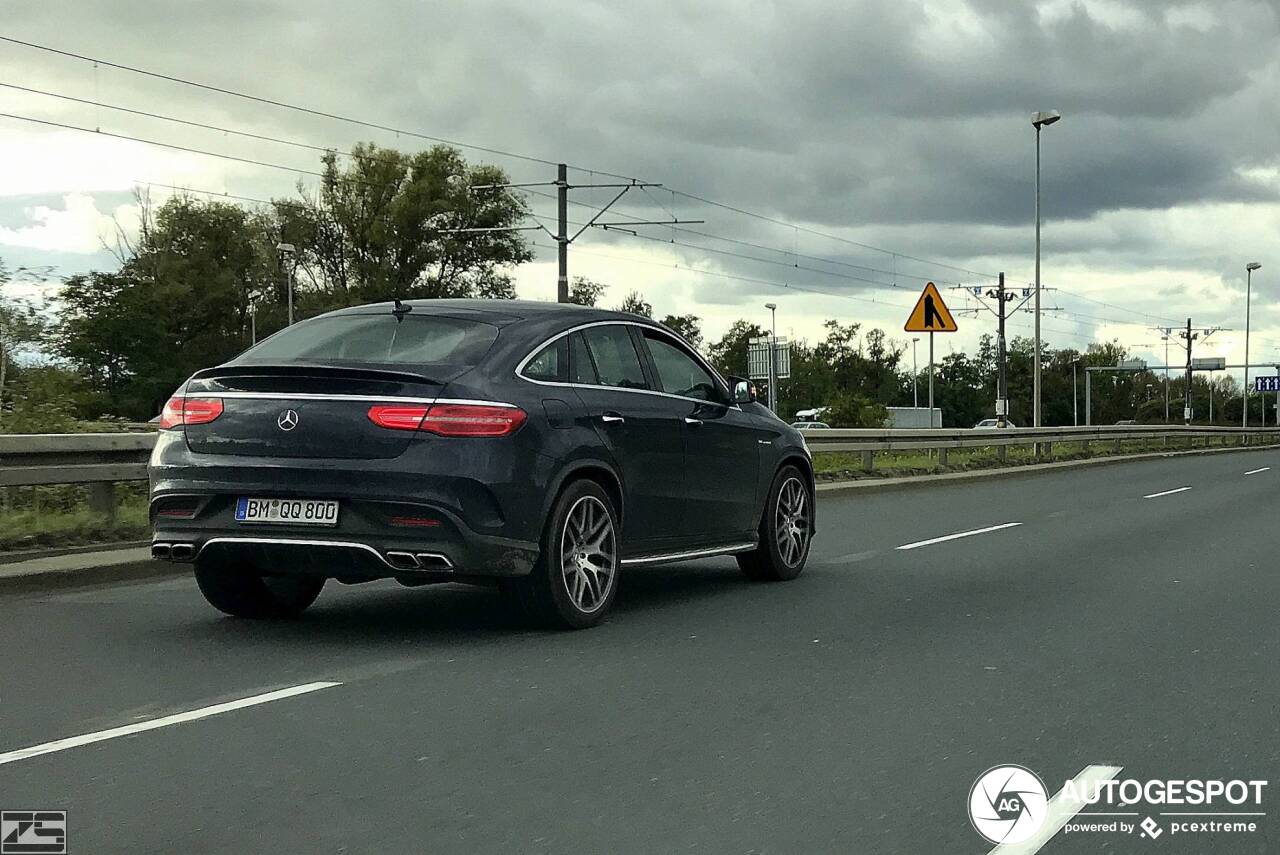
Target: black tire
column 776, row 558
column 550, row 595
column 240, row 590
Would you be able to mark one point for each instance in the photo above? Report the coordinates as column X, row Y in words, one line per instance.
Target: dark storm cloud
column 883, row 113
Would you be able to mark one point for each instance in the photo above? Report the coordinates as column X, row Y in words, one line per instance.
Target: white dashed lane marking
column 957, row 535
column 155, row 723
column 1167, row 493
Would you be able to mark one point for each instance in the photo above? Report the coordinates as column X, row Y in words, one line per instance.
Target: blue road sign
column 1266, row 384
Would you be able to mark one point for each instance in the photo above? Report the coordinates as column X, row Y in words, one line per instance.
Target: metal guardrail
column 106, row 458
column 868, row 441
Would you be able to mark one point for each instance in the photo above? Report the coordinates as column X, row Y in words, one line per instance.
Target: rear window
column 378, row 340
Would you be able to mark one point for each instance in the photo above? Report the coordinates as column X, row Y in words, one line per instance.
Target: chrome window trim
column 697, row 357
column 324, row 396
column 688, row 554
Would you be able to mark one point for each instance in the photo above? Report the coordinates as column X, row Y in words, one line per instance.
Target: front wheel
column 575, row 580
column 240, row 590
column 786, row 530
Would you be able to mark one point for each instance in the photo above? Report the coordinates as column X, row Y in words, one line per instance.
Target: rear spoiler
column 303, row 369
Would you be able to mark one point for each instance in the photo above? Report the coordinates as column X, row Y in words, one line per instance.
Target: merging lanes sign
column 930, row 314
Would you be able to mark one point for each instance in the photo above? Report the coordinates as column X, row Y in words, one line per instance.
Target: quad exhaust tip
column 173, row 551
column 418, row 561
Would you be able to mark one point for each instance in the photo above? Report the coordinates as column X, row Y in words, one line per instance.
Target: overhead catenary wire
column 274, row 102
column 500, row 152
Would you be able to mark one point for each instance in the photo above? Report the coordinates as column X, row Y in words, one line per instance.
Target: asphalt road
column 848, row 711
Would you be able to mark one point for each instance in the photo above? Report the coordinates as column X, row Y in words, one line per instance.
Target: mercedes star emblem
column 288, row 420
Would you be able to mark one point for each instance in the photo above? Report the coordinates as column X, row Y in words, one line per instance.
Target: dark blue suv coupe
column 544, row 446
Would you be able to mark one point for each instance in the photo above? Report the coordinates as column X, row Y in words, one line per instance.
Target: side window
column 549, row 364
column 617, row 363
column 678, row 372
column 581, row 370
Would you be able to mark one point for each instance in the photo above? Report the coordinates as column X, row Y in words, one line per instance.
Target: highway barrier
column 1040, row 440
column 101, row 460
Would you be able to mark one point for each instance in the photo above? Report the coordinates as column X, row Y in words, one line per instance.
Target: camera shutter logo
column 33, row 832
column 1008, row 804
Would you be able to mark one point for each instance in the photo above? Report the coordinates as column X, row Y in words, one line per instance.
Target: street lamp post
column 1075, row 397
column 915, row 376
column 773, row 357
column 1038, row 121
column 1248, row 299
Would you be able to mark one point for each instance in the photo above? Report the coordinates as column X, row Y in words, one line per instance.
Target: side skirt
column 688, row 554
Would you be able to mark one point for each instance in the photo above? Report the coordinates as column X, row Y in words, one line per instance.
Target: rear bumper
column 474, row 509
column 373, row 538
column 346, row 555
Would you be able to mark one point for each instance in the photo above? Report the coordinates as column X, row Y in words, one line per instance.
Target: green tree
column 584, row 291
column 853, row 410
column 386, row 225
column 636, row 305
column 686, row 326
column 180, row 302
column 729, row 354
column 20, row 326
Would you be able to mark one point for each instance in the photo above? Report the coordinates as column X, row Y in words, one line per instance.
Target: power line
column 431, row 138
column 275, row 103
column 173, row 146
column 500, row 152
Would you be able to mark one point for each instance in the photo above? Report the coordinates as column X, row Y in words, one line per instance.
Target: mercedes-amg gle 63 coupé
column 545, row 448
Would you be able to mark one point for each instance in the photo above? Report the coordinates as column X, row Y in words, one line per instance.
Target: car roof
column 500, row 312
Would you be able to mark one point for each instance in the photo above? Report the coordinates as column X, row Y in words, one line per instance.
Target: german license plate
column 291, row 511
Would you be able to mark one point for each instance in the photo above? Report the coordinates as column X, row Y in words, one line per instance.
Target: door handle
column 612, row 419
column 690, row 420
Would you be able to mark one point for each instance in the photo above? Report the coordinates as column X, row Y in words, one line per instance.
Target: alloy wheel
column 792, row 521
column 588, row 554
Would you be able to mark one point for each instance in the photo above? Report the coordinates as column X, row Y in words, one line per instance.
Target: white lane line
column 1061, row 809
column 1167, row 493
column 957, row 535
column 155, row 723
column 1256, row 471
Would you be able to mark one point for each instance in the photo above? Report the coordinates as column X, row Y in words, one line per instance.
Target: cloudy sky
column 881, row 143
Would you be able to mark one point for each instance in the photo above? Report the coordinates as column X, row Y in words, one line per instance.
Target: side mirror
column 744, row 391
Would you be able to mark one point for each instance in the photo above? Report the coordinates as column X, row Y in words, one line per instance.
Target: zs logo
column 33, row 832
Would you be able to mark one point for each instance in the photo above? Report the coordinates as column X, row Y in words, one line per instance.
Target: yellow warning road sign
column 930, row 313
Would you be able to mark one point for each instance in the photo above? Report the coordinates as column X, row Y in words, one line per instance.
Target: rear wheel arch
column 591, row 470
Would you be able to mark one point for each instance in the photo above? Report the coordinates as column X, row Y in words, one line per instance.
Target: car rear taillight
column 179, row 411
column 473, row 420
column 397, row 417
column 450, row 419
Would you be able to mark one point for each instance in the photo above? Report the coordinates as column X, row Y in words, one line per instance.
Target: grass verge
column 848, row 466
column 31, row 528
